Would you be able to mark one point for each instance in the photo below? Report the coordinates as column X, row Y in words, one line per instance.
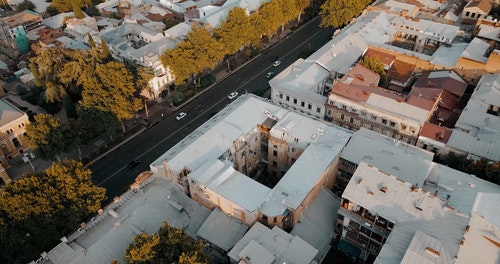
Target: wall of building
column 12, row 142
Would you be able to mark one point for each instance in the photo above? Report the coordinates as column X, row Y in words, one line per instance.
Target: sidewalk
column 156, row 111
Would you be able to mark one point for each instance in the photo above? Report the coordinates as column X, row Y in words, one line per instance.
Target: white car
column 232, row 95
column 180, row 116
column 269, row 75
column 277, row 63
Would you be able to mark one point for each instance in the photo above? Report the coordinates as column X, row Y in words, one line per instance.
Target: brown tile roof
column 400, row 71
column 443, row 79
column 421, row 102
column 435, row 132
column 483, row 5
column 386, row 58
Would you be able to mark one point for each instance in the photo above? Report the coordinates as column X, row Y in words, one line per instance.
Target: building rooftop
column 476, row 50
column 477, row 130
column 483, row 5
column 105, row 237
column 20, row 18
column 9, row 113
column 222, row 230
column 392, row 198
column 318, row 222
column 435, row 133
column 386, row 58
column 223, row 179
column 397, row 158
column 262, row 245
column 462, row 188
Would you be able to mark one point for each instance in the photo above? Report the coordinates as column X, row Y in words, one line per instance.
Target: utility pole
column 146, row 108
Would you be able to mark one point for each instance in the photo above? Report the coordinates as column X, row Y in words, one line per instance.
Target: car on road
column 134, row 164
column 277, row 63
column 180, row 116
column 232, row 95
column 269, row 75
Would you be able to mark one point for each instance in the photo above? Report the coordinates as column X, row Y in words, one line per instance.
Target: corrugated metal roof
column 222, row 230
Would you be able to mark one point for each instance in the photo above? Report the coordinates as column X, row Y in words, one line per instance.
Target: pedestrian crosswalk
column 153, row 110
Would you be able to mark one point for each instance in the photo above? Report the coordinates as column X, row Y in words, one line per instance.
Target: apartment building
column 477, row 131
column 476, row 9
column 410, row 163
column 356, row 101
column 391, row 220
column 12, row 126
column 254, row 169
column 14, row 30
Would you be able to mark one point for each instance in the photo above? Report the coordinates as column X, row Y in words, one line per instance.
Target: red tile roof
column 444, row 81
column 435, row 132
column 385, row 58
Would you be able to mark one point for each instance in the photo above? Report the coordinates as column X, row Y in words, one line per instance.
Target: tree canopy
column 338, row 13
column 375, row 65
column 68, row 5
column 168, row 245
column 25, row 5
column 36, row 210
column 48, row 137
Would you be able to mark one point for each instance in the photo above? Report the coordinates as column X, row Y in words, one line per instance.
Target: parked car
column 232, row 95
column 134, row 164
column 277, row 63
column 269, row 75
column 180, row 116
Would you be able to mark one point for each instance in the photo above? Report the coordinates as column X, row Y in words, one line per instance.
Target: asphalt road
column 112, row 171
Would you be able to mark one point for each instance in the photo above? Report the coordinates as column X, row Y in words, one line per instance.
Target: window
column 329, row 112
column 318, row 109
column 344, row 107
column 274, row 146
column 351, row 120
column 275, row 164
column 403, row 126
column 288, row 98
column 392, row 124
column 363, row 113
column 302, row 104
column 295, row 101
column 467, row 13
column 309, row 106
column 374, row 117
column 16, row 142
column 296, row 140
column 384, row 121
column 342, row 116
column 281, row 96
column 275, row 153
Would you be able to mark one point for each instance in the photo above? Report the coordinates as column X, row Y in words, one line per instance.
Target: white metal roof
column 461, row 187
column 318, row 222
column 396, row 108
column 476, row 50
column 476, row 131
column 222, row 230
column 400, row 159
column 482, row 238
column 106, row 237
column 231, row 184
column 303, row 80
column 398, row 203
column 264, row 245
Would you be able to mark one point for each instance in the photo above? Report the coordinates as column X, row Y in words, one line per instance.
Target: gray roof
column 9, row 113
column 106, row 236
column 222, row 230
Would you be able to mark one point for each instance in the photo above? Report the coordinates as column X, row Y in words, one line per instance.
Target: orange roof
column 384, row 57
column 421, row 102
column 401, row 71
column 435, row 132
column 483, row 5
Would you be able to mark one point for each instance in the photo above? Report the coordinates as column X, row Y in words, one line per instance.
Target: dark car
column 134, row 164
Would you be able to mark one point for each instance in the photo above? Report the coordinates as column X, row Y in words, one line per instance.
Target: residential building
column 13, row 127
column 476, row 9
column 260, row 246
column 356, row 101
column 434, row 137
column 14, row 30
column 381, row 213
column 410, row 163
column 477, row 131
column 253, row 169
column 478, row 58
column 447, row 80
column 142, row 209
column 488, row 30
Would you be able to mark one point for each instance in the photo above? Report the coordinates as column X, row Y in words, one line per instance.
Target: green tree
column 52, row 11
column 77, row 10
column 68, row 5
column 26, row 5
column 48, row 137
column 93, row 122
column 301, row 5
column 268, row 19
column 375, row 65
column 91, row 41
column 168, row 245
column 235, row 31
column 338, row 13
column 92, row 11
column 38, row 209
column 105, row 53
column 111, row 89
column 289, row 10
column 47, row 65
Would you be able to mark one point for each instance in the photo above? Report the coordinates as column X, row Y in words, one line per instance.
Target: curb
column 117, row 146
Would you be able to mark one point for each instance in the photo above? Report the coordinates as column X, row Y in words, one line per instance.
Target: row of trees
column 38, row 209
column 338, row 13
column 202, row 49
column 483, row 168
